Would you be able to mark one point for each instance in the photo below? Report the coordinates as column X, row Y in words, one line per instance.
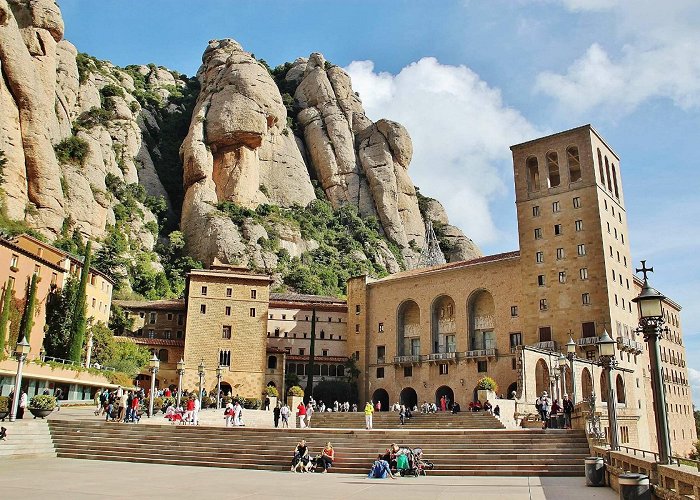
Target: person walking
column 189, row 410
column 369, row 410
column 195, row 415
column 266, row 405
column 123, row 400
column 237, row 409
column 568, row 410
column 22, row 404
column 58, row 394
column 544, row 409
column 301, row 412
column 309, row 413
column 228, row 414
column 284, row 413
column 276, row 415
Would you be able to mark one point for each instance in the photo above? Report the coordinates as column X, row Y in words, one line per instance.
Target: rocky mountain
column 278, row 169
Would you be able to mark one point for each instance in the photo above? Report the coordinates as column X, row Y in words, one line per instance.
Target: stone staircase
column 454, row 452
column 27, row 438
column 390, row 420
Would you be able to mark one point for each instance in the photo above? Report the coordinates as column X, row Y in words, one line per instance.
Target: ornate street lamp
column 651, row 320
column 153, row 364
column 21, row 352
column 606, row 353
column 219, row 371
column 200, row 370
column 180, row 373
column 571, row 355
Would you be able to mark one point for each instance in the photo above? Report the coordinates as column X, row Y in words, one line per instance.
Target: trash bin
column 595, row 471
column 553, row 422
column 634, row 487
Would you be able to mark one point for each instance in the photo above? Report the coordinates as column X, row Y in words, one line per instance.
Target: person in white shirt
column 237, row 414
column 284, row 413
column 229, row 414
column 309, row 412
column 195, row 420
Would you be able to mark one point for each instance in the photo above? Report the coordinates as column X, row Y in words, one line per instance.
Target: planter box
column 486, row 395
column 40, row 412
column 3, row 415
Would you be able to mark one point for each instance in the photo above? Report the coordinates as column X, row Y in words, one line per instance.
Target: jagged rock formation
column 119, row 154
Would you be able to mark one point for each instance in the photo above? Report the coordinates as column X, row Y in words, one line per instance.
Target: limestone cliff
column 278, row 169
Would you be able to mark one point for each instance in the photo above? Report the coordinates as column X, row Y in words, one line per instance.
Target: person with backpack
column 568, row 410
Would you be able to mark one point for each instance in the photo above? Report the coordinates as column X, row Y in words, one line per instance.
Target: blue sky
column 468, row 79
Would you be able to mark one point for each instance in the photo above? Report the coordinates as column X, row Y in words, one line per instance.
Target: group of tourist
column 302, row 461
column 549, row 410
column 118, row 405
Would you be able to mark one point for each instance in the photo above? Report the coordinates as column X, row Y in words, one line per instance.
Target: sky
column 470, row 78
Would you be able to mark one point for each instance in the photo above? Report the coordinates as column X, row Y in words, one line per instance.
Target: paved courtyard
column 82, row 479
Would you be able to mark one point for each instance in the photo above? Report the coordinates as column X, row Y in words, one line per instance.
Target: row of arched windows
column 573, row 162
column 162, row 355
column 605, row 174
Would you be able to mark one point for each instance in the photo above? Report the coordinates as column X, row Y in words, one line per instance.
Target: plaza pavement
column 85, row 479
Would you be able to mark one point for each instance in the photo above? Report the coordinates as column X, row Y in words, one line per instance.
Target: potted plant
column 295, row 395
column 272, row 394
column 486, row 389
column 41, row 406
column 4, row 407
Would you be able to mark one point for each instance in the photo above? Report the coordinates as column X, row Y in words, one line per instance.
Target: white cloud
column 461, row 132
column 657, row 57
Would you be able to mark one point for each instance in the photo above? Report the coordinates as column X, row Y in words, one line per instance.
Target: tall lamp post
column 219, row 371
column 21, row 353
column 154, row 364
column 180, row 373
column 571, row 355
column 200, row 370
column 651, row 320
column 606, row 351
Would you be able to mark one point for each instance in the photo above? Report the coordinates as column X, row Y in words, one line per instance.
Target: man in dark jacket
column 568, row 409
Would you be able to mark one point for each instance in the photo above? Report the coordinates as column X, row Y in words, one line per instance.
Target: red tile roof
column 151, row 342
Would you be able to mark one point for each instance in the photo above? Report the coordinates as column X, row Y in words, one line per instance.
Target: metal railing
column 587, row 341
column 629, row 344
column 673, row 459
column 413, row 358
column 436, row 356
column 70, row 362
column 548, row 345
column 479, row 353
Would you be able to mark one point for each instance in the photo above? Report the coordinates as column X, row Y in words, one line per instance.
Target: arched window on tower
column 163, row 355
column 607, row 172
column 574, row 163
column 600, row 168
column 533, row 174
column 553, row 178
column 617, row 193
column 272, row 362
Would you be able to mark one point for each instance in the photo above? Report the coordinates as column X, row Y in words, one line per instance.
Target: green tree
column 79, row 325
column 102, row 344
column 119, row 321
column 5, row 315
column 60, row 306
column 128, row 357
column 27, row 321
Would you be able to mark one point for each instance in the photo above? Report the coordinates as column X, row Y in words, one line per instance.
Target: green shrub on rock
column 73, row 150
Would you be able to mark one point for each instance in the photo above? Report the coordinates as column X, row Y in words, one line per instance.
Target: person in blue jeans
column 380, row 469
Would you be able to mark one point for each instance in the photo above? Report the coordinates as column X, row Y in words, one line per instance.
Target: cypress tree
column 310, row 367
column 27, row 321
column 5, row 315
column 79, row 325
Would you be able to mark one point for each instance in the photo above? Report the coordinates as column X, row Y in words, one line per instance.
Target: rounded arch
column 533, row 174
column 381, row 396
column 226, row 388
column 553, row 177
column 541, row 377
column 574, row 163
column 408, row 397
column 271, row 383
column 512, row 390
column 408, row 331
column 272, row 362
column 443, row 326
column 569, row 386
column 481, row 312
column 603, row 386
column 586, row 384
column 163, row 355
column 620, row 389
column 446, row 391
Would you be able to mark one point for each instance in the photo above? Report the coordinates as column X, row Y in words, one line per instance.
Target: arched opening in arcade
column 381, row 396
column 569, row 382
column 586, row 384
column 620, row 388
column 481, row 312
column 408, row 397
column 408, row 331
column 443, row 326
column 512, row 390
column 541, row 377
column 226, row 388
column 448, row 394
column 603, row 386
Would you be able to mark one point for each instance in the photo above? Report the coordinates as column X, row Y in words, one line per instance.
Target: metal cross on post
column 644, row 270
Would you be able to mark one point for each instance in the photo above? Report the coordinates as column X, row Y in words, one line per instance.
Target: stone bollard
column 634, row 487
column 595, row 471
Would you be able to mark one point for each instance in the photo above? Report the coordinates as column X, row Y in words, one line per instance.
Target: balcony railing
column 439, row 356
column 414, row 358
column 630, row 345
column 587, row 341
column 479, row 353
column 380, row 360
column 548, row 345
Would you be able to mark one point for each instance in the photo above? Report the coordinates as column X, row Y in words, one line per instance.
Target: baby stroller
column 416, row 465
